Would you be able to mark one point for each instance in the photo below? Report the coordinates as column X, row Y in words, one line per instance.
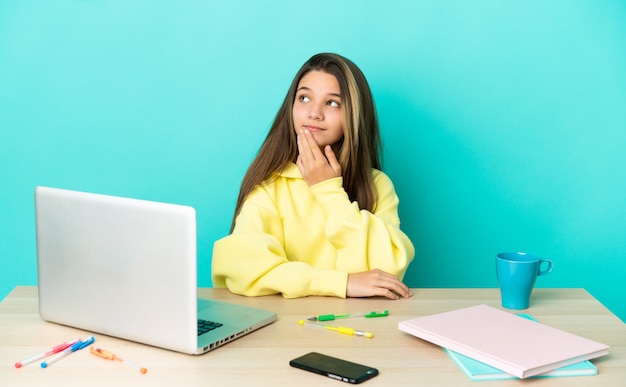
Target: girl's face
column 317, row 107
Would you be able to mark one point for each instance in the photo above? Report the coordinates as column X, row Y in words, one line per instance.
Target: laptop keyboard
column 205, row 325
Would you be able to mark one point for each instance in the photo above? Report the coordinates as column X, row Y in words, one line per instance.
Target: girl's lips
column 313, row 128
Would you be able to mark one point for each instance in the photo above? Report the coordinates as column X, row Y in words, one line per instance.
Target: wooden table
column 261, row 358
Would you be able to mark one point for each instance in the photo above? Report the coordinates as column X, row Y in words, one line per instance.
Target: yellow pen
column 344, row 330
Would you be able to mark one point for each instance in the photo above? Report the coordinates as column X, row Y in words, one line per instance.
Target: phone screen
column 333, row 367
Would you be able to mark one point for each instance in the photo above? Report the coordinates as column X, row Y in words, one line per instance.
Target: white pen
column 78, row 346
column 56, row 349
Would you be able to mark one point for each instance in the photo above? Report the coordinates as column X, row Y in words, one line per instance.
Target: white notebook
column 502, row 340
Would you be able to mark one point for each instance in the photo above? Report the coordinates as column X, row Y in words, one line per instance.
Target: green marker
column 330, row 317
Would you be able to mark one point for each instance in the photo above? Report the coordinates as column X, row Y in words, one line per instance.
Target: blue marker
column 78, row 346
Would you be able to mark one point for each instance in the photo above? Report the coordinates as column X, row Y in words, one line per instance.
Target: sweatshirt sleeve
column 252, row 261
column 365, row 240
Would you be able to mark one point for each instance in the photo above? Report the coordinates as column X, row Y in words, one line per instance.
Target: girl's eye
column 333, row 104
column 303, row 98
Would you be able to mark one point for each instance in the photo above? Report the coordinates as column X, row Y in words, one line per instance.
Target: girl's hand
column 376, row 283
column 314, row 165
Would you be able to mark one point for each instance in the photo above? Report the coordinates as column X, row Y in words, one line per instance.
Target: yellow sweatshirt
column 298, row 240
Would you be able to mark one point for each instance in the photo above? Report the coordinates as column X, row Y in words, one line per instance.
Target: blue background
column 504, row 122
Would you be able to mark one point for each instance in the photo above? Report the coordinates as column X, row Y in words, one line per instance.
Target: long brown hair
column 361, row 145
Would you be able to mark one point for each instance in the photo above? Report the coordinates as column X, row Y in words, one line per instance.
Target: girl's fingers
column 332, row 159
column 308, row 146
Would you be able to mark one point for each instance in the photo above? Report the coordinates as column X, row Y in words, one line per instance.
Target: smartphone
column 332, row 367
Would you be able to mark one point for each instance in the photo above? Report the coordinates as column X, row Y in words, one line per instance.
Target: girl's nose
column 315, row 112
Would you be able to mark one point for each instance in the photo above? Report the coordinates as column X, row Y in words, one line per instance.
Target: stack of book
column 488, row 343
column 476, row 370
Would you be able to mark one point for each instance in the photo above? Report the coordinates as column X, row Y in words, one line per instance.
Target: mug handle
column 548, row 269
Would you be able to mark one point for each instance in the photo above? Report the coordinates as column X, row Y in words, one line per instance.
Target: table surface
column 262, row 357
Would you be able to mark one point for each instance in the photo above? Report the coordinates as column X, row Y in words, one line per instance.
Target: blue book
column 476, row 370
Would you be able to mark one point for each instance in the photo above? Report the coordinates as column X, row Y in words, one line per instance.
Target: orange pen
column 103, row 353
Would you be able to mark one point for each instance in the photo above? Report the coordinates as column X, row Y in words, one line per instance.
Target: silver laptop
column 128, row 268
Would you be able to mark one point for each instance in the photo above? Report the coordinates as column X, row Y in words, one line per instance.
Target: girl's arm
column 365, row 240
column 252, row 260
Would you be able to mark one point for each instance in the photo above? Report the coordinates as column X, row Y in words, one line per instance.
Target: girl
column 315, row 215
